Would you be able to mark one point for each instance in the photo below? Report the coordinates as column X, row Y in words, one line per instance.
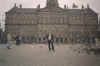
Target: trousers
column 50, row 45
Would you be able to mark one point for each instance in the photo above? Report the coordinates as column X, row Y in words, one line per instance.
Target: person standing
column 96, row 41
column 18, row 39
column 50, row 39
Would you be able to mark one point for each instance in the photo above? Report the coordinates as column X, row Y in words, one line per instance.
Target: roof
column 72, row 11
column 26, row 10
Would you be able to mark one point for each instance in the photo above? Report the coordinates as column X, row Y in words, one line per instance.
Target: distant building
column 67, row 25
column 3, row 37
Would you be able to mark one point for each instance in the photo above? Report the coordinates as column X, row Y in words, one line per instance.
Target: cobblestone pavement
column 38, row 55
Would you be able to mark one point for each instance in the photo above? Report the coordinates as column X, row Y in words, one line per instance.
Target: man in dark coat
column 18, row 40
column 50, row 39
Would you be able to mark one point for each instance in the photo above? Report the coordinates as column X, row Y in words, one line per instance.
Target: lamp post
column 3, row 22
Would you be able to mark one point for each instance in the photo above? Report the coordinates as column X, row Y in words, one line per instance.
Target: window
column 76, row 18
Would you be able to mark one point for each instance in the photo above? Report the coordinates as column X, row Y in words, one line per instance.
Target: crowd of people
column 50, row 39
column 17, row 40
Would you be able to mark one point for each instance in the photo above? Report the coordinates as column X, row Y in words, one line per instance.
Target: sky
column 6, row 5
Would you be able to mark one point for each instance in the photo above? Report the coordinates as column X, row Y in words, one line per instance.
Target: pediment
column 46, row 9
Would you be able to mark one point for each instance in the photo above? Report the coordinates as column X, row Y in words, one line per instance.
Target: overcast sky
column 8, row 4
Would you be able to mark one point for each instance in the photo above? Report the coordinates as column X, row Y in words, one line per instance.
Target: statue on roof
column 74, row 5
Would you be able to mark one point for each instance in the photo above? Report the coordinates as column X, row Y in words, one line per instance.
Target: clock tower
column 52, row 3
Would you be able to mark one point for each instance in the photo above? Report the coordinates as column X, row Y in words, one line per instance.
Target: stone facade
column 66, row 24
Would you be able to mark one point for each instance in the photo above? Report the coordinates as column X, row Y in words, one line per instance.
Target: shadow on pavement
column 95, row 51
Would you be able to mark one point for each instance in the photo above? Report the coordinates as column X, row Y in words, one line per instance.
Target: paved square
column 38, row 55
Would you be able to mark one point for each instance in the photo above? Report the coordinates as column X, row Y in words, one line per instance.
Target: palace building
column 66, row 24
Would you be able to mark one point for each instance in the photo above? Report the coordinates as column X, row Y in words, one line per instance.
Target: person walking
column 50, row 39
column 9, row 41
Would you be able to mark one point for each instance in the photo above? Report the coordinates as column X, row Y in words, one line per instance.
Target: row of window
column 22, row 22
column 49, row 19
column 52, row 19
